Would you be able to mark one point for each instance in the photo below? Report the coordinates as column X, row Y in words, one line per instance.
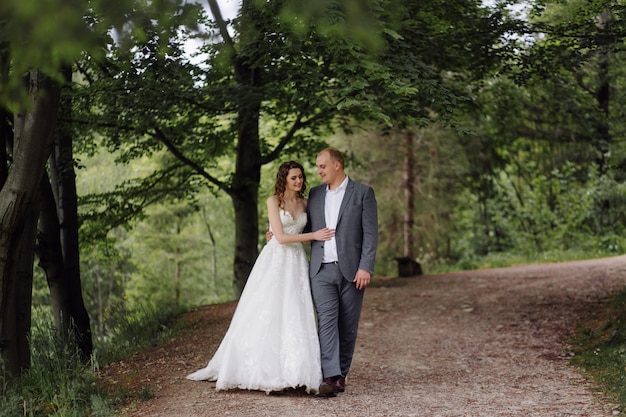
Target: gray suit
column 337, row 300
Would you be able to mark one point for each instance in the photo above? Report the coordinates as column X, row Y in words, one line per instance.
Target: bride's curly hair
column 281, row 181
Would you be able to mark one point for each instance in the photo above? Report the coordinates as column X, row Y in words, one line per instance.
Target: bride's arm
column 273, row 212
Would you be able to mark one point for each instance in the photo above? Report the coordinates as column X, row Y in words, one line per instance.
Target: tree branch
column 297, row 125
column 160, row 135
column 222, row 25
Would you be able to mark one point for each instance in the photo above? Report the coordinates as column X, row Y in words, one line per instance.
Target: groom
column 342, row 267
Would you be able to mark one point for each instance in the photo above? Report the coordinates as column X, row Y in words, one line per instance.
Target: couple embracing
column 296, row 321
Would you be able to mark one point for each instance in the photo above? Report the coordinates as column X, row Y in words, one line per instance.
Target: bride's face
column 295, row 180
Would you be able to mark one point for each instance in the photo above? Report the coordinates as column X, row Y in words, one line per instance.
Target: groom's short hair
column 335, row 154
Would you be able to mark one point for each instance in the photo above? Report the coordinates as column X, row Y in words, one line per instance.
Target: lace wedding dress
column 272, row 341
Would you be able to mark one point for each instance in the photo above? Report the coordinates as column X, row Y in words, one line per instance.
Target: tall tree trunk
column 603, row 96
column 247, row 177
column 33, row 144
column 6, row 118
column 177, row 262
column 409, row 194
column 245, row 197
column 64, row 280
column 24, row 286
column 51, row 257
column 6, row 137
column 246, row 236
column 24, row 275
column 26, row 253
column 213, row 251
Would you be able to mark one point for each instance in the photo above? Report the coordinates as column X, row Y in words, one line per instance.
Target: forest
column 140, row 140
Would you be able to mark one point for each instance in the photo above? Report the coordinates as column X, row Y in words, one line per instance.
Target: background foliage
column 507, row 156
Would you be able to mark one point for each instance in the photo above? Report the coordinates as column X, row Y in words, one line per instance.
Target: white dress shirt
column 332, row 204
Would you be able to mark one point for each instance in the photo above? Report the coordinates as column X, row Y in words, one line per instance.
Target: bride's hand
column 324, row 234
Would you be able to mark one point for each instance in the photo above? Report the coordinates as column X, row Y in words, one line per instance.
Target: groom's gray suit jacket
column 356, row 233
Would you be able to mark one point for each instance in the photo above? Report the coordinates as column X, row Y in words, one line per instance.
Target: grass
column 600, row 349
column 59, row 384
column 143, row 327
column 503, row 260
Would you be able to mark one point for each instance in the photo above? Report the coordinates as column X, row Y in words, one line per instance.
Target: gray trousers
column 338, row 304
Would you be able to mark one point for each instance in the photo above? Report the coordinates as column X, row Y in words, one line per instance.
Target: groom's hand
column 268, row 234
column 362, row 279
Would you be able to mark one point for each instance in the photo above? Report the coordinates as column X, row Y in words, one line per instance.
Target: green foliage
column 539, row 214
column 377, row 159
column 134, row 329
column 545, row 170
column 48, row 35
column 548, row 212
column 182, row 255
column 348, row 19
column 507, row 259
column 40, row 34
column 57, row 384
column 179, row 255
column 419, row 61
column 608, row 214
column 270, row 89
column 600, row 348
column 106, row 268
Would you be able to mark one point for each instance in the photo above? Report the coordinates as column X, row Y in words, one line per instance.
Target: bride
column 272, row 341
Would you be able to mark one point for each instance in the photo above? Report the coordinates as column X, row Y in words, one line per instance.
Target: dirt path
column 474, row 344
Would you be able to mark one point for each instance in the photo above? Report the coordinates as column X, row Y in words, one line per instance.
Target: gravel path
column 483, row 343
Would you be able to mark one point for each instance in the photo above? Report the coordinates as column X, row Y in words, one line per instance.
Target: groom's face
column 327, row 168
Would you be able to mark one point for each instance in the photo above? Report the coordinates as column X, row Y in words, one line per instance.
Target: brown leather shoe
column 327, row 388
column 340, row 384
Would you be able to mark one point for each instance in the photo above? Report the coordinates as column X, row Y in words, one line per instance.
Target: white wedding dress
column 272, row 341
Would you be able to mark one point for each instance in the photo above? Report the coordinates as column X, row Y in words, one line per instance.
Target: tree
column 58, row 247
column 444, row 50
column 289, row 75
column 32, row 57
column 548, row 118
column 33, row 144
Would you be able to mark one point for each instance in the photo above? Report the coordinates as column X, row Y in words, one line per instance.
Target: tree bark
column 245, row 197
column 24, row 287
column 409, row 194
column 213, row 251
column 6, row 135
column 603, row 97
column 33, row 144
column 247, row 177
column 6, row 129
column 60, row 236
column 246, row 236
column 51, row 257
